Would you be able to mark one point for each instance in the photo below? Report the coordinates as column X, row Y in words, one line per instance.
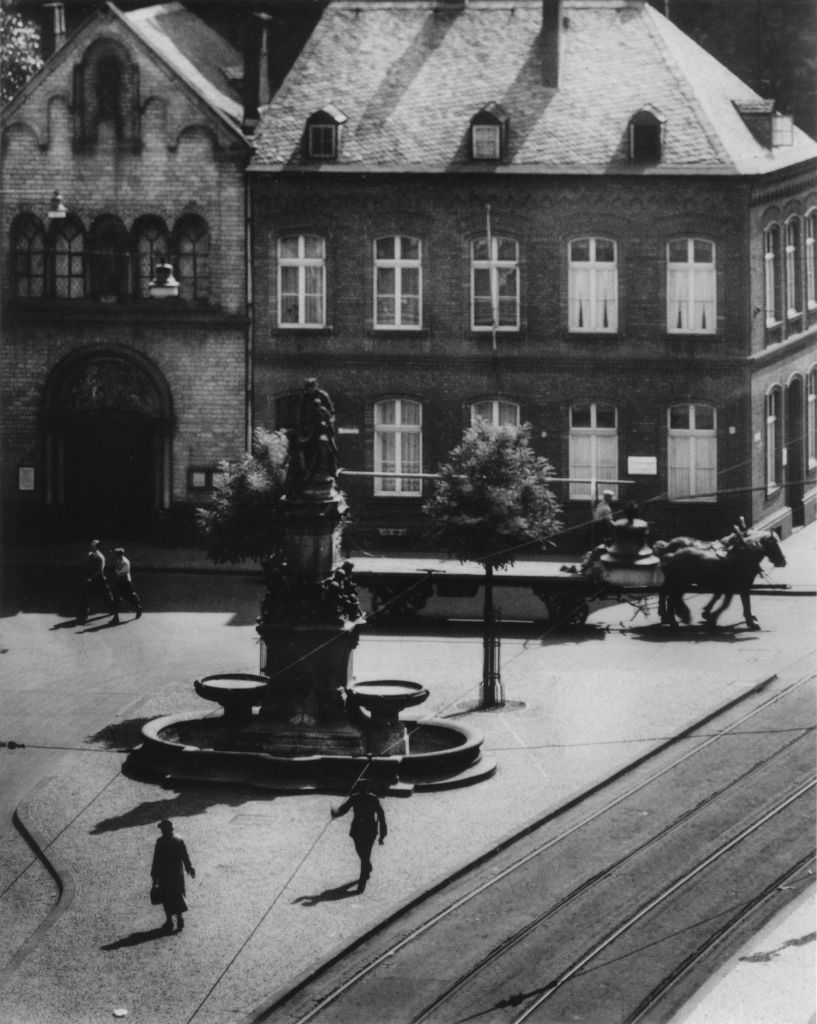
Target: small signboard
column 642, row 465
column 25, row 478
column 348, row 430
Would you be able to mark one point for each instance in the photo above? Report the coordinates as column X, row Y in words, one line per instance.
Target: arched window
column 593, row 449
column 774, row 439
column 398, row 444
column 646, row 135
column 811, row 418
column 592, row 285
column 27, row 257
column 494, row 284
column 794, row 283
column 811, row 266
column 772, row 278
column 692, row 452
column 109, row 259
column 397, row 282
column 152, row 244
column 691, row 286
column 489, row 132
column 192, row 246
column 496, row 411
column 106, row 90
column 301, row 281
column 68, row 259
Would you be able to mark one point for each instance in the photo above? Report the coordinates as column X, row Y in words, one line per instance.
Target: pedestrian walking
column 368, row 824
column 123, row 585
column 95, row 582
column 170, row 861
column 602, row 529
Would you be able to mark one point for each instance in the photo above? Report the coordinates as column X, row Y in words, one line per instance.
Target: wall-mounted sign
column 348, row 430
column 642, row 465
column 25, row 478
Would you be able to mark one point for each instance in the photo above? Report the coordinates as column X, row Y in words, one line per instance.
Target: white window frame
column 692, row 284
column 398, row 264
column 771, row 265
column 496, row 268
column 811, row 417
column 302, row 263
column 494, row 417
column 691, row 441
column 599, row 438
column 774, row 440
column 397, row 487
column 811, row 259
column 793, row 269
column 597, row 271
column 486, row 141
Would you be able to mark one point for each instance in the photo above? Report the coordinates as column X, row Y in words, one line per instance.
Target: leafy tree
column 19, row 51
column 491, row 497
column 245, row 520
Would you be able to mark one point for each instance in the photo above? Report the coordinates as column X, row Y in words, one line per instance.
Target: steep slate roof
column 198, row 55
column 410, row 75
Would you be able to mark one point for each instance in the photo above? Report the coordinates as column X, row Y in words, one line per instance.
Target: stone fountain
column 304, row 722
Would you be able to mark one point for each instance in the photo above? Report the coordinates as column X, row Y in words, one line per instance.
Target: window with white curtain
column 811, row 260
column 593, row 449
column 397, row 282
column 774, row 439
column 494, row 284
column 692, row 452
column 398, row 442
column 771, row 246
column 793, row 276
column 811, row 418
column 301, row 281
column 691, row 286
column 495, row 411
column 592, row 285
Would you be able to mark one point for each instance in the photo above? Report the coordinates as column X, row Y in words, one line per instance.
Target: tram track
column 521, row 872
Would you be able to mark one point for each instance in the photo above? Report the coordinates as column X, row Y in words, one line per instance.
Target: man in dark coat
column 170, row 861
column 94, row 582
column 368, row 822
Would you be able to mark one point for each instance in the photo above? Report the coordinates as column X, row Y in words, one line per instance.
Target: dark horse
column 716, row 569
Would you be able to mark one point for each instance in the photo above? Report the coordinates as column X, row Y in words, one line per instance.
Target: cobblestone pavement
column 272, row 897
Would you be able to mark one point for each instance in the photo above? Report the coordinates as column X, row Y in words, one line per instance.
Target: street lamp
column 57, row 209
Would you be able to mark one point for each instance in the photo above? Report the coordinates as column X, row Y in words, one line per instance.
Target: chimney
column 551, row 41
column 54, row 34
column 256, row 69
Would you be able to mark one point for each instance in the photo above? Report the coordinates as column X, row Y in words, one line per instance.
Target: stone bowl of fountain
column 385, row 698
column 236, row 692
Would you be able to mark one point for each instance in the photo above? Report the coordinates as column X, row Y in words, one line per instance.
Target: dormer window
column 646, row 136
column 488, row 133
column 769, row 126
column 322, row 133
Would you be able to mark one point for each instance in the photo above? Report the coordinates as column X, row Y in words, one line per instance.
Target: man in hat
column 94, row 582
column 170, row 861
column 368, row 824
column 123, row 585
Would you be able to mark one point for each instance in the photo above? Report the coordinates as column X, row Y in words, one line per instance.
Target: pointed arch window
column 68, row 259
column 27, row 257
column 109, row 259
column 773, row 285
column 794, row 283
column 811, row 266
column 774, row 439
column 152, row 244
column 811, row 418
column 192, row 246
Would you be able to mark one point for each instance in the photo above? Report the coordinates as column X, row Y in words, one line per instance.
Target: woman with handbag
column 170, row 861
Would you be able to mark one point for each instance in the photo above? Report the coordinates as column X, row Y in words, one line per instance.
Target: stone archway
column 108, row 417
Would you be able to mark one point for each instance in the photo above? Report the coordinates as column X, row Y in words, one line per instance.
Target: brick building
column 566, row 215
column 118, row 404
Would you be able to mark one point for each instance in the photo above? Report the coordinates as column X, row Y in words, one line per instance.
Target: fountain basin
column 201, row 747
column 236, row 692
column 386, row 698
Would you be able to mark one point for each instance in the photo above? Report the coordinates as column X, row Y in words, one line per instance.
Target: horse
column 720, row 569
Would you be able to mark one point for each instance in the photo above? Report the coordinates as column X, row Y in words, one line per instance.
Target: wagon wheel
column 567, row 609
column 391, row 601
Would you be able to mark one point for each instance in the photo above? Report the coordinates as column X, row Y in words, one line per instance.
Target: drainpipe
column 249, row 356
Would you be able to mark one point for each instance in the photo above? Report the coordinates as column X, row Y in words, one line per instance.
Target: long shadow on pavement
column 189, row 803
column 340, row 892
column 692, row 634
column 137, row 938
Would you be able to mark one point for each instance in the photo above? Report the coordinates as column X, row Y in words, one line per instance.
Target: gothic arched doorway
column 107, row 437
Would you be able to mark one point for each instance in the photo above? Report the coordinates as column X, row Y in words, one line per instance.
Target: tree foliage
column 245, row 519
column 19, row 51
column 492, row 496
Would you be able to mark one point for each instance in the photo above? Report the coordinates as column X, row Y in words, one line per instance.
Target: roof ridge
column 655, row 22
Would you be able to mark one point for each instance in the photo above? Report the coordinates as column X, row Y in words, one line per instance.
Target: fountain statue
column 304, row 722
